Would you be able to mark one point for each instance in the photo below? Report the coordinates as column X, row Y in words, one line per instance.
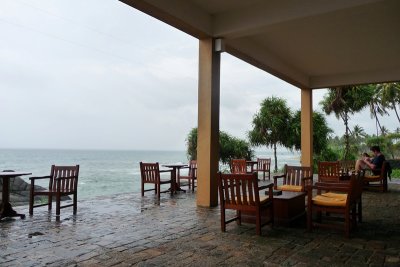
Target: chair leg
column 31, row 199
column 258, row 222
column 239, row 217
column 142, row 189
column 158, row 190
column 50, row 200
column 309, row 217
column 223, row 224
column 347, row 224
column 58, row 206
column 75, row 202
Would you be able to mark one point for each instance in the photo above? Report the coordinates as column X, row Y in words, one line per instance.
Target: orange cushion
column 329, row 201
column 293, row 188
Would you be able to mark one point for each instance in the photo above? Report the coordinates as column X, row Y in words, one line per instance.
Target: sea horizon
column 102, row 171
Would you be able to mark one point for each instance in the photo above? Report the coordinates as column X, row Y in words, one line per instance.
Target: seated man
column 374, row 163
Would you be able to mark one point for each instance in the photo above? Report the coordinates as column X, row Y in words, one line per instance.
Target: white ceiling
column 309, row 43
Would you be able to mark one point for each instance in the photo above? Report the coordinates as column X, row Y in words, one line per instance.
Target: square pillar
column 306, row 128
column 208, row 123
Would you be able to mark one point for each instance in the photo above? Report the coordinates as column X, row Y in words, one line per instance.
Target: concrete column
column 208, row 124
column 306, row 127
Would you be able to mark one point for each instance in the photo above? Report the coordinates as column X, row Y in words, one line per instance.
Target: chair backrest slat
column 193, row 168
column 239, row 189
column 263, row 164
column 239, row 166
column 70, row 173
column 295, row 174
column 328, row 171
column 150, row 172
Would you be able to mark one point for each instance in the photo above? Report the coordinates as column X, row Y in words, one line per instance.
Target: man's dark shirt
column 378, row 162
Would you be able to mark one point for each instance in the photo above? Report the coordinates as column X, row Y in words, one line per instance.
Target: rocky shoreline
column 19, row 191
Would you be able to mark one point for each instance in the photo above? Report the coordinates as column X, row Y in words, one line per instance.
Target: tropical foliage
column 230, row 147
column 271, row 125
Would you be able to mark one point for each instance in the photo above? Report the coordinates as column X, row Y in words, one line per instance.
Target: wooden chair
column 347, row 166
column 335, row 198
column 264, row 166
column 295, row 178
column 241, row 192
column 192, row 174
column 63, row 181
column 328, row 171
column 150, row 174
column 377, row 182
column 239, row 166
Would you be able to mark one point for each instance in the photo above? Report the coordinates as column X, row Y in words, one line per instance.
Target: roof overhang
column 308, row 43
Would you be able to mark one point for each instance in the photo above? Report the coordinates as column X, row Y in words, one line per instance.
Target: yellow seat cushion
column 335, row 195
column 329, row 201
column 293, row 188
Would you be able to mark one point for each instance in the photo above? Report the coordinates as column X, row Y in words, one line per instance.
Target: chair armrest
column 39, row 177
column 279, row 176
column 269, row 186
column 265, row 186
column 276, row 179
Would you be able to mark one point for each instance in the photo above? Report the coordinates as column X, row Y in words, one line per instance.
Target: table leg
column 177, row 185
column 6, row 209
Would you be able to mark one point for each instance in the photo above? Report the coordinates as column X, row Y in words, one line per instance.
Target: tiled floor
column 128, row 230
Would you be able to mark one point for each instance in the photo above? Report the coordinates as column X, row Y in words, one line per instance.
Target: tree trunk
column 276, row 160
column 377, row 122
column 395, row 110
column 345, row 118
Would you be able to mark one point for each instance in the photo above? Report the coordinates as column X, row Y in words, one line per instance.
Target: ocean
column 105, row 172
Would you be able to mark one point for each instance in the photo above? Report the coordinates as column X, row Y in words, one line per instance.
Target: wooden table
column 175, row 173
column 6, row 209
column 288, row 207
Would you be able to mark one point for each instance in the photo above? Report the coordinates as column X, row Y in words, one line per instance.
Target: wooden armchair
column 295, row 178
column 377, row 182
column 347, row 166
column 239, row 166
column 328, row 171
column 241, row 192
column 150, row 174
column 264, row 166
column 63, row 181
column 192, row 174
column 335, row 198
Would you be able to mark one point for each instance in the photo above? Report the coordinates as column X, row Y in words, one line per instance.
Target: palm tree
column 376, row 107
column 390, row 95
column 271, row 125
column 344, row 101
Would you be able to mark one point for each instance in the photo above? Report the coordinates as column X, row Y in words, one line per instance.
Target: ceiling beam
column 260, row 57
column 255, row 18
column 180, row 14
column 365, row 77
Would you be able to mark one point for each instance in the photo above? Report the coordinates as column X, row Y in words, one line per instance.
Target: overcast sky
column 90, row 74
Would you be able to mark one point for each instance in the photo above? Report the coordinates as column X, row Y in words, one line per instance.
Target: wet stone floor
column 128, row 230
